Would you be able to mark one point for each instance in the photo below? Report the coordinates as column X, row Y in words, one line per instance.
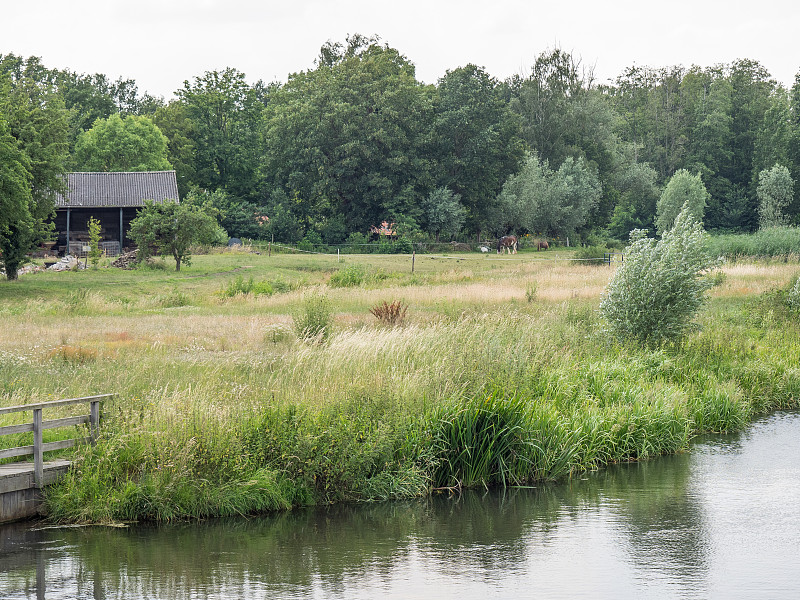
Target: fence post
column 94, row 420
column 413, row 257
column 38, row 460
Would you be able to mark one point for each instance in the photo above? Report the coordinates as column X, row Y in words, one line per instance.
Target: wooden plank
column 65, row 402
column 52, row 424
column 38, row 449
column 11, row 429
column 80, row 420
column 61, row 444
column 18, row 451
column 19, row 476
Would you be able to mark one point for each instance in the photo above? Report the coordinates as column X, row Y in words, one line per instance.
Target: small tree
column 94, row 241
column 172, row 229
column 659, row 287
column 444, row 212
column 683, row 189
column 775, row 192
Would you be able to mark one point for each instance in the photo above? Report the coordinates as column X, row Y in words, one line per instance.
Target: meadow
column 499, row 372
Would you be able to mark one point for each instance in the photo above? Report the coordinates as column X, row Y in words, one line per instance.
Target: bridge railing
column 37, row 426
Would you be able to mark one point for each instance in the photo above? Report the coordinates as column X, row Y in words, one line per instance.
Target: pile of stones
column 67, row 263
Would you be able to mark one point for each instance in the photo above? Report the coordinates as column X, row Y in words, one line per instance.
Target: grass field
column 500, row 373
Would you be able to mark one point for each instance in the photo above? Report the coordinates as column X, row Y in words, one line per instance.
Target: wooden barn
column 113, row 199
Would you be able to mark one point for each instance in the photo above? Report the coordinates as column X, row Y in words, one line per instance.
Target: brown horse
column 507, row 242
column 542, row 245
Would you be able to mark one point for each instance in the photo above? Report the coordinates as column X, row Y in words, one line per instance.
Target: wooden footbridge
column 21, row 482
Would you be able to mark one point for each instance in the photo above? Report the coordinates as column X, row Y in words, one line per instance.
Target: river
column 720, row 521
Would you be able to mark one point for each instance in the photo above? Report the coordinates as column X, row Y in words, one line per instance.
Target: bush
column 315, row 319
column 659, row 288
column 350, row 276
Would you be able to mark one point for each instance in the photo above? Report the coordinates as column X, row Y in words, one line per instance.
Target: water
column 721, row 521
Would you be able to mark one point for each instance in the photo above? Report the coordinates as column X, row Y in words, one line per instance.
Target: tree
column 657, row 291
column 94, row 241
column 122, row 144
column 636, row 208
column 33, row 127
column 775, row 193
column 683, row 189
column 171, row 119
column 240, row 219
column 224, row 113
column 171, row 229
column 444, row 212
column 541, row 200
column 16, row 222
column 477, row 141
column 350, row 137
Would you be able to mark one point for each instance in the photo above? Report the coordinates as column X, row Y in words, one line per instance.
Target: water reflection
column 717, row 522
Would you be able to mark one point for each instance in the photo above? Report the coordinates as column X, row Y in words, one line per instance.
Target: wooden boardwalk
column 19, row 496
column 21, row 483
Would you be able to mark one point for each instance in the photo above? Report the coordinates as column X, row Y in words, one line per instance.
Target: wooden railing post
column 94, row 420
column 38, row 460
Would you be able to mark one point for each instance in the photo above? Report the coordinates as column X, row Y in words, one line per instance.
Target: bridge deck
column 19, row 475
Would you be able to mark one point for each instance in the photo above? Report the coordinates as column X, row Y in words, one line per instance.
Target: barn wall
column 109, row 223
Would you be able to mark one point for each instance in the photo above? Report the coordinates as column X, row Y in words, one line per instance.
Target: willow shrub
column 657, row 291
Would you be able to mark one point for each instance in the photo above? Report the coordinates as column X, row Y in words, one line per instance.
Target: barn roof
column 118, row 189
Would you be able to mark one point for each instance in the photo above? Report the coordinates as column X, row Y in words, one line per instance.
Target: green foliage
column 172, row 229
column 549, row 202
column 122, row 144
column 591, row 255
column 657, row 291
column 311, row 242
column 95, row 252
column 772, row 242
column 33, row 145
column 222, row 138
column 444, row 212
column 531, row 290
column 314, row 321
column 350, row 136
column 636, row 208
column 775, row 193
column 239, row 218
column 242, row 287
column 482, row 442
column 17, row 224
column 683, row 189
column 793, row 296
column 350, row 276
column 477, row 140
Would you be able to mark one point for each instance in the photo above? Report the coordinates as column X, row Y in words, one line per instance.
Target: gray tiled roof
column 118, row 189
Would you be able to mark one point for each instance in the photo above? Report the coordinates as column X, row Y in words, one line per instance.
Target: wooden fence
column 39, row 425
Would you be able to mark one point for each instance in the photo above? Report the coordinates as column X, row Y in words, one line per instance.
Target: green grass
column 223, row 409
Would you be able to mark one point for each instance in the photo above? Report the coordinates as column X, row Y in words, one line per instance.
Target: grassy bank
column 501, row 373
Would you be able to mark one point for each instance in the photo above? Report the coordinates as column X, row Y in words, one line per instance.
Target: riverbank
column 222, row 410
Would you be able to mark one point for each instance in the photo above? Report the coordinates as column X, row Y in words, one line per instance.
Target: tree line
column 357, row 139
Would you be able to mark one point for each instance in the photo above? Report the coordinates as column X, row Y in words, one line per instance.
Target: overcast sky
column 161, row 43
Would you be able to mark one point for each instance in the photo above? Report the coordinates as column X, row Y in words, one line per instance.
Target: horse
column 542, row 245
column 507, row 242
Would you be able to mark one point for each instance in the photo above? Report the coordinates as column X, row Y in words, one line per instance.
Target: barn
column 114, row 199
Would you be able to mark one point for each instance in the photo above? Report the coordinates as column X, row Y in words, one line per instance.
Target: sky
column 162, row 43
